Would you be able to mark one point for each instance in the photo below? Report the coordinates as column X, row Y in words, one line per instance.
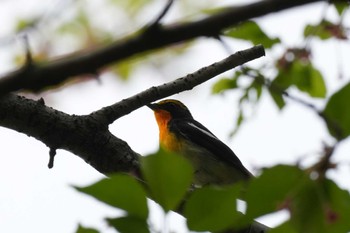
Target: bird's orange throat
column 162, row 117
column 166, row 138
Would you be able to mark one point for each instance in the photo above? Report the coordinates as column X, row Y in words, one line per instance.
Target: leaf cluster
column 292, row 70
column 314, row 204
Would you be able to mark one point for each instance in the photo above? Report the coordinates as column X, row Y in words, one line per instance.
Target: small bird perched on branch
column 212, row 160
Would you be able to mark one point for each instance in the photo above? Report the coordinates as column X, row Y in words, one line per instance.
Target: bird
column 213, row 162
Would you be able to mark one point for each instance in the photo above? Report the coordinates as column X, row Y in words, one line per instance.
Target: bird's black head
column 175, row 108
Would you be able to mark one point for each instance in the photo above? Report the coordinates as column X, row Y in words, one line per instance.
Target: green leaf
column 325, row 30
column 283, row 80
column 212, row 208
column 255, row 89
column 120, row 191
column 129, row 224
column 337, row 113
column 82, row 229
column 306, row 208
column 224, row 84
column 310, row 80
column 321, row 206
column 124, row 69
column 268, row 192
column 251, row 31
column 24, row 24
column 277, row 98
column 302, row 75
column 240, row 119
column 341, row 6
column 337, row 210
column 168, row 176
column 318, row 86
column 239, row 122
column 317, row 31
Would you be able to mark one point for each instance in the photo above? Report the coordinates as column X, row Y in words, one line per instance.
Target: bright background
column 34, row 198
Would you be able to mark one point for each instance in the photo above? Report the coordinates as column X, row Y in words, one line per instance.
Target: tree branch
column 39, row 76
column 81, row 135
column 111, row 113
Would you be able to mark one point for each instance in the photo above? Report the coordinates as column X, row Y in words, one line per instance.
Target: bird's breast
column 167, row 139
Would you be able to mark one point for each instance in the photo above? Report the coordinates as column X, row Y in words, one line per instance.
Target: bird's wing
column 200, row 135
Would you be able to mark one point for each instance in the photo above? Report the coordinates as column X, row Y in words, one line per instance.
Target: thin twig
column 157, row 20
column 324, row 164
column 29, row 57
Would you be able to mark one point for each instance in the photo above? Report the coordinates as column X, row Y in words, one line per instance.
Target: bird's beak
column 153, row 106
